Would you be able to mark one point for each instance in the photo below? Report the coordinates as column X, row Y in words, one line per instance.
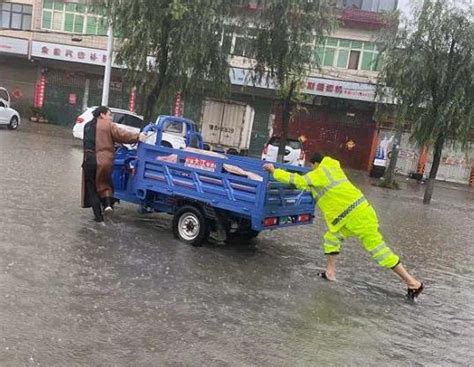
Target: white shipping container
column 227, row 124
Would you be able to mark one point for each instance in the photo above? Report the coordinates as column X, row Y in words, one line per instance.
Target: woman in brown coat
column 100, row 136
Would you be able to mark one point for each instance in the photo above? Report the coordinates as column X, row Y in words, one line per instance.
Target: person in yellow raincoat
column 347, row 213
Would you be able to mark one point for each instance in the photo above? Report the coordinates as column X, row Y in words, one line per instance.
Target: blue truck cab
column 207, row 192
column 174, row 132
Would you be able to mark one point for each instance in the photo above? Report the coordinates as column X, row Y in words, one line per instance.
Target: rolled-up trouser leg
column 365, row 226
column 332, row 242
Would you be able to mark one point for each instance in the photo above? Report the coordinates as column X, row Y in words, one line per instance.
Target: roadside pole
column 108, row 66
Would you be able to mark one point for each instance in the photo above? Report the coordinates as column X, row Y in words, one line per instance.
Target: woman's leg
column 91, row 192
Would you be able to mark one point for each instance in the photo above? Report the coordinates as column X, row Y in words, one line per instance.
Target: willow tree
column 170, row 45
column 403, row 95
column 286, row 32
column 432, row 71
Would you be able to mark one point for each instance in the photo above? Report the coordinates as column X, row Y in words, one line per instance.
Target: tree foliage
column 171, row 45
column 430, row 72
column 286, row 32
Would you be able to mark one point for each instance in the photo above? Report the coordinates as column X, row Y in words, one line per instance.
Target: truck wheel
column 190, row 226
column 13, row 125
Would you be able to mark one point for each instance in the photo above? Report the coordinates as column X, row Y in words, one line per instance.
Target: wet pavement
column 74, row 293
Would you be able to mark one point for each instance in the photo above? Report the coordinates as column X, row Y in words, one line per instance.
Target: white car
column 294, row 153
column 8, row 116
column 126, row 119
column 174, row 132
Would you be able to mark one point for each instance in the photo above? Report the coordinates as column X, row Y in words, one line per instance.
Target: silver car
column 294, row 153
column 8, row 116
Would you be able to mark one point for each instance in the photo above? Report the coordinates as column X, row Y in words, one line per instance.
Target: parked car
column 129, row 120
column 8, row 116
column 173, row 136
column 294, row 153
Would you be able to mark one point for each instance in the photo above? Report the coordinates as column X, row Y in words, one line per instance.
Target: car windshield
column 173, row 127
column 4, row 95
column 292, row 143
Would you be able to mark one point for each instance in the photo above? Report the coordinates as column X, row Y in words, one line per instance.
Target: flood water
column 73, row 292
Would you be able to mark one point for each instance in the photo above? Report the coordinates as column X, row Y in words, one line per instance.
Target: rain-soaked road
column 128, row 294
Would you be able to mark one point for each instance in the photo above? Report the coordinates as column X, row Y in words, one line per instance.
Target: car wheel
column 13, row 125
column 166, row 144
column 190, row 226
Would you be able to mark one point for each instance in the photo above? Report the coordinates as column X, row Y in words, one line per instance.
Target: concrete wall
column 455, row 164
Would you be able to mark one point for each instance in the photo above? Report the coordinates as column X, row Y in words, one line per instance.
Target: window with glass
column 71, row 17
column 347, row 54
column 173, row 127
column 228, row 39
column 349, row 4
column 331, row 52
column 369, row 5
column 385, row 5
column 243, row 42
column 15, row 16
column 237, row 41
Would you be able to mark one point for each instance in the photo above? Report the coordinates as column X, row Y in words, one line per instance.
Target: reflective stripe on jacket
column 335, row 195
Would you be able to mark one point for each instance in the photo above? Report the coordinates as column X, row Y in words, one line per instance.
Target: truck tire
column 190, row 226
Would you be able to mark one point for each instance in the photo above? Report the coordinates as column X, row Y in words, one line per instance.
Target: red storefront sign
column 39, row 91
column 178, row 106
column 68, row 53
column 132, row 100
column 72, row 98
column 204, row 164
column 17, row 93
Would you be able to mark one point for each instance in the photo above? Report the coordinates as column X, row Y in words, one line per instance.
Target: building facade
column 52, row 57
column 53, row 54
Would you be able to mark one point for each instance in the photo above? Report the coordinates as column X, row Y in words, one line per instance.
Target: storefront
column 337, row 120
column 73, row 78
column 342, row 129
column 17, row 73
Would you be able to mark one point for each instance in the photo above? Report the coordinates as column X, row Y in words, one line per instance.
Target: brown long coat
column 103, row 143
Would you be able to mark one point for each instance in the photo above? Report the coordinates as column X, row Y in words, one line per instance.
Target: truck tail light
column 304, row 217
column 79, row 120
column 272, row 221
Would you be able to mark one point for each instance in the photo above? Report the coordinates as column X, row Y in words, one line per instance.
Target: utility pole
column 108, row 66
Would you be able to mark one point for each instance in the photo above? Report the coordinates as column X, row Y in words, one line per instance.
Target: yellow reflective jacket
column 335, row 195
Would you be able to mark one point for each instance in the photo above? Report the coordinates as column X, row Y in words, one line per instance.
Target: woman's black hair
column 317, row 157
column 100, row 110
